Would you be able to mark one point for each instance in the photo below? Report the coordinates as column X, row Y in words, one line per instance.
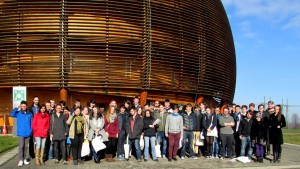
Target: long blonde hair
column 107, row 115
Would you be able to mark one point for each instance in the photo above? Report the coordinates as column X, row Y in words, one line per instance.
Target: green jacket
column 163, row 118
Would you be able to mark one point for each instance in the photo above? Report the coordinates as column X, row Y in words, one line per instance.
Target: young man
column 122, row 119
column 24, row 120
column 226, row 122
column 189, row 124
column 174, row 131
column 134, row 128
column 198, row 129
column 76, row 105
column 168, row 108
column 35, row 107
column 162, row 116
column 244, row 133
column 136, row 102
column 237, row 116
column 244, row 111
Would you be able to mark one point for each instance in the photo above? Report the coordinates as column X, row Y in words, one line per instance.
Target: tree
column 295, row 121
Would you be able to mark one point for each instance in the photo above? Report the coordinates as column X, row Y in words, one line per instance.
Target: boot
column 275, row 157
column 111, row 158
column 37, row 151
column 261, row 160
column 41, row 157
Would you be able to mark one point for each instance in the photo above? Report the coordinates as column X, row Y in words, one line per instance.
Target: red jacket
column 113, row 128
column 41, row 125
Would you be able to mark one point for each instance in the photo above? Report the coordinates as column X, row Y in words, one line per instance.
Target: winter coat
column 120, row 120
column 245, row 127
column 41, row 125
column 162, row 118
column 93, row 128
column 259, row 131
column 199, row 120
column 112, row 128
column 209, row 122
column 24, row 121
column 189, row 121
column 58, row 126
column 275, row 132
column 148, row 131
column 137, row 127
column 72, row 132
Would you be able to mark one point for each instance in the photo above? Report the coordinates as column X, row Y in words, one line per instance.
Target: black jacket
column 245, row 127
column 120, row 120
column 199, row 119
column 137, row 127
column 275, row 132
column 258, row 131
column 148, row 131
column 58, row 126
column 209, row 122
column 189, row 121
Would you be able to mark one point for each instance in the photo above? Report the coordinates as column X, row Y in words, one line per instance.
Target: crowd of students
column 53, row 132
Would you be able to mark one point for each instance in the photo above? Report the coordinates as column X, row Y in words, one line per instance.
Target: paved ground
column 290, row 159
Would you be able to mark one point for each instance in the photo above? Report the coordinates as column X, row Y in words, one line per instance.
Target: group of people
column 57, row 132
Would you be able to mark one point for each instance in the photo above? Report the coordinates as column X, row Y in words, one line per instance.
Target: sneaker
column 174, row 158
column 20, row 164
column 156, row 160
column 212, row 157
column 139, row 160
column 145, row 160
column 65, row 162
column 120, row 157
column 26, row 162
column 56, row 161
column 169, row 159
column 195, row 158
column 222, row 158
column 182, row 158
column 163, row 156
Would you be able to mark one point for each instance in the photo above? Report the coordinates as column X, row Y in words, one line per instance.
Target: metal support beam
column 147, row 46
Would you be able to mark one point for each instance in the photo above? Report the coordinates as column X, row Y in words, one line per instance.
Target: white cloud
column 285, row 13
column 245, row 27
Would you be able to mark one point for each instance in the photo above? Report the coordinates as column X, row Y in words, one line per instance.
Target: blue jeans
column 40, row 142
column 146, row 149
column 137, row 147
column 216, row 147
column 50, row 155
column 162, row 138
column 188, row 137
column 246, row 144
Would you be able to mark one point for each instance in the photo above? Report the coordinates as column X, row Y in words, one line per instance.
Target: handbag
column 126, row 149
column 199, row 141
column 68, row 140
column 142, row 143
column 157, row 149
column 180, row 143
column 214, row 131
column 85, row 150
column 98, row 144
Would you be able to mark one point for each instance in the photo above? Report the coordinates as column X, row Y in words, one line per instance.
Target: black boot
column 275, row 157
column 261, row 160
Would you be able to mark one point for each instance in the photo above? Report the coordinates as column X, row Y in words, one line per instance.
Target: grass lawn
column 7, row 143
column 284, row 130
column 291, row 138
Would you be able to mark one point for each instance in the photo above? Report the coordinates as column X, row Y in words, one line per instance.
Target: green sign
column 19, row 95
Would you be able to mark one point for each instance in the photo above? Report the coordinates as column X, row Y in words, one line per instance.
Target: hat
column 179, row 105
column 259, row 115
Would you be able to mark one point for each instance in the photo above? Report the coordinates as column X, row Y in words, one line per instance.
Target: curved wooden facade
column 177, row 49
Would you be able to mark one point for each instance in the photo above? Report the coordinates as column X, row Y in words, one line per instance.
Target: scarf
column 80, row 123
column 112, row 117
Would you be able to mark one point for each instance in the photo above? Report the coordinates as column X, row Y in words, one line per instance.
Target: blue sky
column 267, row 43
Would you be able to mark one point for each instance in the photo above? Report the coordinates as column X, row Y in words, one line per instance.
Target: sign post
column 19, row 94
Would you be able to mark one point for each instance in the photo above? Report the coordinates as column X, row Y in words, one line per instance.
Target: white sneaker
column 182, row 158
column 20, row 164
column 163, row 156
column 26, row 162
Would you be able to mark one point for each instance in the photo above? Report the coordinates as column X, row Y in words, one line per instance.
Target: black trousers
column 76, row 145
column 111, row 145
column 60, row 146
column 121, row 142
column 237, row 145
column 226, row 141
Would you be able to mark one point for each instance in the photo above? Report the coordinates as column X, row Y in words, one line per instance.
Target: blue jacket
column 24, row 121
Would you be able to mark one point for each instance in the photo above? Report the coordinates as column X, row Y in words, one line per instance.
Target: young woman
column 149, row 135
column 76, row 134
column 96, row 128
column 140, row 111
column 259, row 136
column 112, row 130
column 40, row 128
column 174, row 131
column 58, row 132
column 276, row 122
column 209, row 123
